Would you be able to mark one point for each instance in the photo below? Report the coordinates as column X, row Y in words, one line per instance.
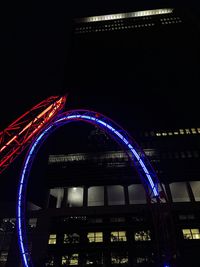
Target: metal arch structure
column 19, row 134
column 148, row 177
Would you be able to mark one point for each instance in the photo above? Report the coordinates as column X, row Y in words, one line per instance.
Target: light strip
column 143, row 13
column 24, row 176
column 126, row 142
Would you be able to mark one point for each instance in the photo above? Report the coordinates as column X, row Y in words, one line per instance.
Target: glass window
column 137, row 194
column 94, row 258
column 3, row 257
column 158, row 134
column 70, row 259
column 193, row 130
column 195, row 185
column 75, row 197
column 96, row 196
column 95, row 237
column 95, row 220
column 115, row 195
column 191, row 233
column 119, row 257
column 119, row 236
column 117, row 219
column 140, row 260
column 58, row 194
column 49, row 261
column 52, row 239
column 32, row 222
column 187, row 131
column 71, row 238
column 8, row 224
column 179, row 192
column 142, row 235
column 185, row 217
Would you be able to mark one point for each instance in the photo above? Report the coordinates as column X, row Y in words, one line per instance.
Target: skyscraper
column 90, row 207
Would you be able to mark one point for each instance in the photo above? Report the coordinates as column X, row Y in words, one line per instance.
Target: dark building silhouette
column 86, row 205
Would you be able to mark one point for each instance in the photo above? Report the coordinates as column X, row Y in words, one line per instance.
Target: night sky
column 157, row 82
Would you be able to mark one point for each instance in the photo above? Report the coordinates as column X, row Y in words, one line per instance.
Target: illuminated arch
column 141, row 163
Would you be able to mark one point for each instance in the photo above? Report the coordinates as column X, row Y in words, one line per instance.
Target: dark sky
column 135, row 80
column 36, row 62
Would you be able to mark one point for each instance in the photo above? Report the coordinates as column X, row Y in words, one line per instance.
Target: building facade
column 87, row 206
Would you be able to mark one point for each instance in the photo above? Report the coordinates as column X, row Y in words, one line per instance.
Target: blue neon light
column 24, row 176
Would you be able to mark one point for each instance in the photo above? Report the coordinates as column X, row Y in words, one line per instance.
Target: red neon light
column 15, row 138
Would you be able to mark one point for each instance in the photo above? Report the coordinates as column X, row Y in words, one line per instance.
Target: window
column 193, row 130
column 140, row 260
column 195, row 185
column 142, row 236
column 185, row 217
column 117, row 219
column 137, row 194
column 115, row 195
column 75, row 197
column 71, row 238
column 32, row 222
column 95, row 237
column 179, row 192
column 118, row 236
column 8, row 224
column 49, row 261
column 119, row 257
column 3, row 257
column 95, row 220
column 52, row 239
column 187, row 131
column 70, row 259
column 96, row 196
column 191, row 233
column 94, row 258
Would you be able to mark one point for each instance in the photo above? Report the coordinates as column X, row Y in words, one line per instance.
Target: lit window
column 52, row 239
column 176, row 133
column 164, row 134
column 181, row 131
column 170, row 133
column 119, row 257
column 95, row 237
column 187, row 131
column 142, row 236
column 3, row 257
column 191, row 233
column 119, row 236
column 71, row 238
column 198, row 130
column 158, row 134
column 193, row 130
column 70, row 259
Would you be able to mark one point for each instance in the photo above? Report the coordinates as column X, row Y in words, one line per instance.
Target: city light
column 107, row 125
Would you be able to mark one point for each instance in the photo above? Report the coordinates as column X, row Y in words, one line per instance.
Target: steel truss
column 19, row 134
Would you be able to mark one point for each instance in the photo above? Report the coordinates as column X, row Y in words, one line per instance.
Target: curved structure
column 147, row 174
column 15, row 138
